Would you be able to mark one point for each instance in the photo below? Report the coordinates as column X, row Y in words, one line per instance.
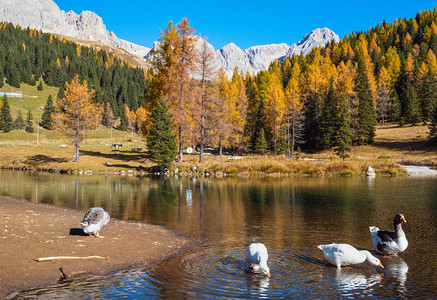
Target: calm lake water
column 291, row 216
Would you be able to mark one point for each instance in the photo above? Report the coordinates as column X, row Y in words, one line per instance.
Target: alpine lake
column 291, row 216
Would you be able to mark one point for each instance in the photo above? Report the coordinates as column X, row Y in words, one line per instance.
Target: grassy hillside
column 32, row 99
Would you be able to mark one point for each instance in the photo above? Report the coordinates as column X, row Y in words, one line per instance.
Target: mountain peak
column 317, row 37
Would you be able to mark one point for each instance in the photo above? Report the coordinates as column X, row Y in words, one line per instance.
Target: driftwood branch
column 42, row 259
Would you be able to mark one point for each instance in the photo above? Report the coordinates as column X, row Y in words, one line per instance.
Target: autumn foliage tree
column 294, row 110
column 175, row 61
column 202, row 104
column 76, row 112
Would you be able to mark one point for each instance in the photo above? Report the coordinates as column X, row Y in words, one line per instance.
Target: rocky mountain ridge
column 45, row 15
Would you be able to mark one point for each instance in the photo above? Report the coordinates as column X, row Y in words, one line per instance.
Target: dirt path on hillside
column 29, row 231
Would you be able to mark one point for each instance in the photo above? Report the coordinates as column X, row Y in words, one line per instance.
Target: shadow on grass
column 118, row 155
column 424, row 145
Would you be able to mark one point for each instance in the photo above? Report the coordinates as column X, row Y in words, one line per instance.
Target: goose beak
column 403, row 219
column 268, row 275
column 380, row 265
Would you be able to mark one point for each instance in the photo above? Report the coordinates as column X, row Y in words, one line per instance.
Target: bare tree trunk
column 292, row 138
column 240, row 150
column 274, row 138
column 288, row 137
column 202, row 122
column 77, row 141
column 181, row 145
column 220, row 147
column 202, row 138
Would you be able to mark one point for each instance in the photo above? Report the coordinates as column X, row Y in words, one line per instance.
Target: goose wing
column 387, row 236
column 93, row 216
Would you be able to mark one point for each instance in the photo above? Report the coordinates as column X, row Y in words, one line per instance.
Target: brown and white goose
column 390, row 242
column 95, row 218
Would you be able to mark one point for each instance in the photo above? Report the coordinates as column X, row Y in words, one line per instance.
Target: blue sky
column 245, row 23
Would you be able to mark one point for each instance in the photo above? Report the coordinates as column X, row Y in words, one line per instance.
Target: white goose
column 257, row 258
column 345, row 254
column 390, row 242
column 95, row 218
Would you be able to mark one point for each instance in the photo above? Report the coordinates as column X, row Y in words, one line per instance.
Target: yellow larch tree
column 409, row 67
column 275, row 107
column 346, row 87
column 223, row 110
column 175, row 61
column 239, row 119
column 362, row 47
column 130, row 118
column 143, row 122
column 421, row 74
column 76, row 112
column 294, row 108
column 392, row 65
column 431, row 61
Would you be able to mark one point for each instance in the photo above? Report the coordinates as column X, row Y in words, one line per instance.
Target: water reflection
column 258, row 285
column 291, row 216
column 350, row 280
column 395, row 271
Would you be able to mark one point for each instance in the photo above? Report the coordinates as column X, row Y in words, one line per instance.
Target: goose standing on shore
column 390, row 242
column 257, row 258
column 345, row 254
column 95, row 218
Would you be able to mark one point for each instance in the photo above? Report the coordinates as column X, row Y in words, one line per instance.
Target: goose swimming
column 345, row 254
column 390, row 242
column 95, row 218
column 257, row 258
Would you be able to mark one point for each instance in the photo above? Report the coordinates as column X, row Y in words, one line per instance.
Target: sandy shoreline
column 29, row 231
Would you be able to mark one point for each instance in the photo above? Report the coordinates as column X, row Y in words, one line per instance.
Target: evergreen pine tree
column 19, row 122
column 1, row 76
column 123, row 119
column 260, row 124
column 61, row 93
column 433, row 125
column 11, row 71
column 261, row 142
column 412, row 112
column 46, row 118
column 5, row 116
column 32, row 81
column 29, row 123
column 428, row 95
column 40, row 86
column 395, row 108
column 366, row 119
column 343, row 137
column 14, row 77
column 161, row 142
column 329, row 118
